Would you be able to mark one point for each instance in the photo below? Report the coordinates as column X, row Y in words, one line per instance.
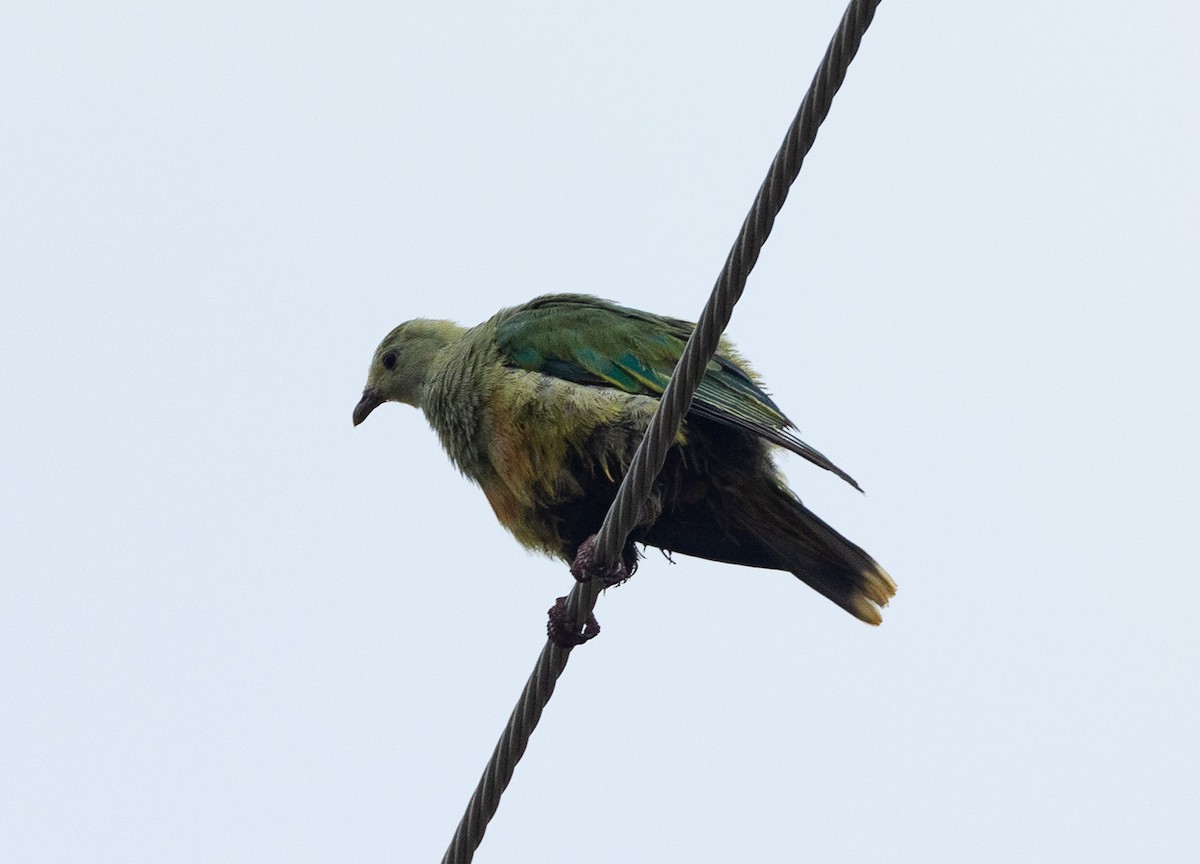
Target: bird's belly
column 556, row 452
column 505, row 505
column 528, row 524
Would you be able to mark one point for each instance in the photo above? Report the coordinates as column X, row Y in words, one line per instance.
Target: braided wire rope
column 648, row 460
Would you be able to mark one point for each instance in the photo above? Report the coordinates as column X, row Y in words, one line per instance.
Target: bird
column 543, row 405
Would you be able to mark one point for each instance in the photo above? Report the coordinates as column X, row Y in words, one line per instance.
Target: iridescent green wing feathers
column 592, row 342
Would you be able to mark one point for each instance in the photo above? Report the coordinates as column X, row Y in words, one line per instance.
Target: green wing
column 593, row 342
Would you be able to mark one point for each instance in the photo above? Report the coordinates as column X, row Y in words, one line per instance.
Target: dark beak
column 369, row 402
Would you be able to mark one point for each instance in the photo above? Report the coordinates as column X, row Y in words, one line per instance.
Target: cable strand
column 623, row 515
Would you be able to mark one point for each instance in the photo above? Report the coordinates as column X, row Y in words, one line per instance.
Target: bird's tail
column 804, row 545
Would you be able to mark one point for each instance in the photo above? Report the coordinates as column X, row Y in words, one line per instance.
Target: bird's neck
column 455, row 404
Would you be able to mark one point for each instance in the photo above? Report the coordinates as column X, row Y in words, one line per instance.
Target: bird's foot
column 585, row 567
column 559, row 631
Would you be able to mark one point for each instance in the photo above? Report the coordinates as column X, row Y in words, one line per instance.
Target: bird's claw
column 559, row 631
column 585, row 567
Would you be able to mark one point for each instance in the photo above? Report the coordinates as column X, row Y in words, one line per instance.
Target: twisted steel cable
column 622, row 516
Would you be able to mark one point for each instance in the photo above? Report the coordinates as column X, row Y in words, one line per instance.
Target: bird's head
column 401, row 364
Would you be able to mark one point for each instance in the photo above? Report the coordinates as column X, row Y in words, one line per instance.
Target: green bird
column 543, row 405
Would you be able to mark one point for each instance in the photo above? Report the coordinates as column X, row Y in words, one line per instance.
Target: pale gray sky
column 235, row 629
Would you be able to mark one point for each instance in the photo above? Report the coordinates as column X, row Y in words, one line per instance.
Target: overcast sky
column 233, row 628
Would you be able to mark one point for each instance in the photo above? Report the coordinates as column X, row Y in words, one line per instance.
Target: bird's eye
column 389, row 360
